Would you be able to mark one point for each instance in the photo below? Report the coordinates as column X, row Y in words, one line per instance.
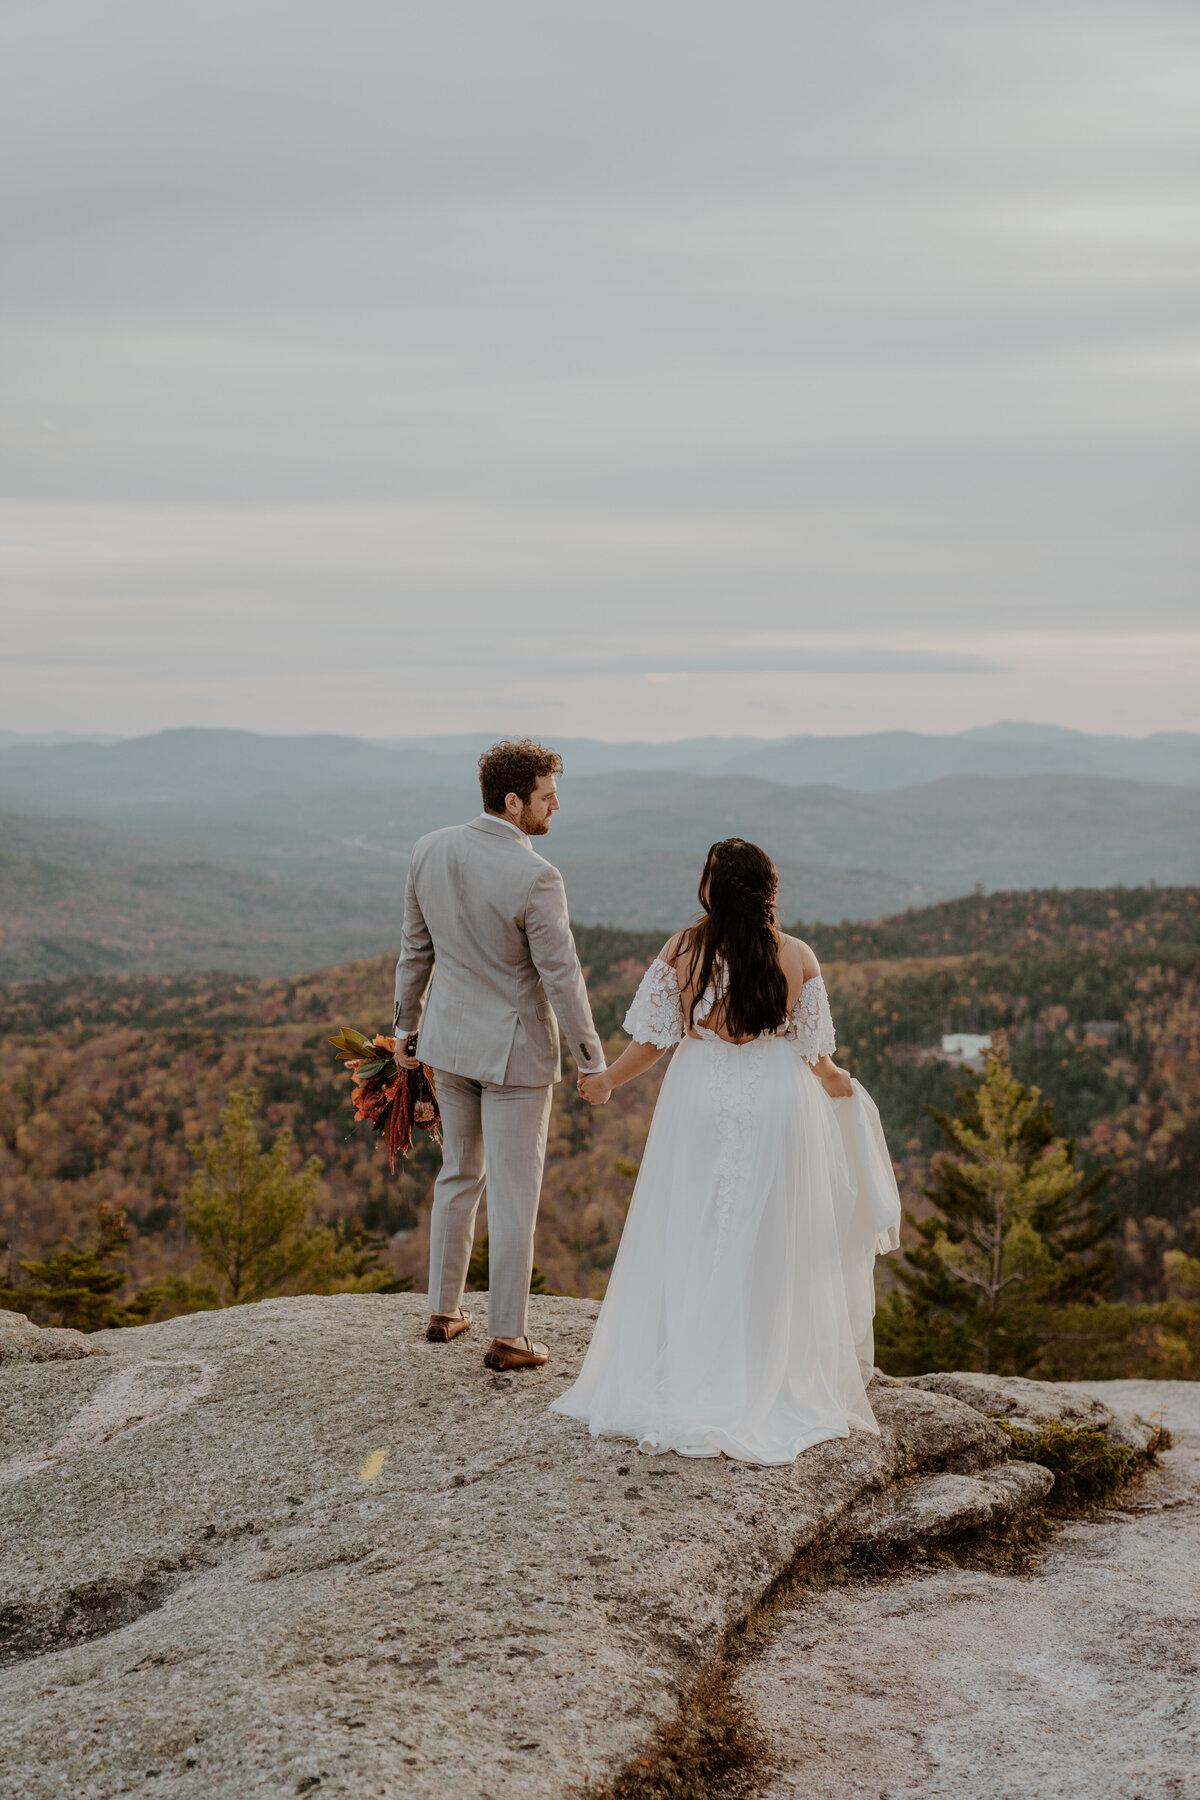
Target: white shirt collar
column 502, row 821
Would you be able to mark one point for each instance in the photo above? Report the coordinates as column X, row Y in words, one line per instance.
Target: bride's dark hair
column 737, row 892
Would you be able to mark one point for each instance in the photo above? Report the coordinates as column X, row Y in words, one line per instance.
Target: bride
column 739, row 1314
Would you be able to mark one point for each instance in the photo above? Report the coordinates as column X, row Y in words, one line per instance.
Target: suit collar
column 497, row 828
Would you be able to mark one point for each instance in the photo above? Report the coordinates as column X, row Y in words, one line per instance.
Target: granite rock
column 938, row 1506
column 23, row 1342
column 1078, row 1683
column 293, row 1548
column 1031, row 1404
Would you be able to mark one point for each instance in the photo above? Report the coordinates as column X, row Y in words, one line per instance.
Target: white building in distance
column 966, row 1048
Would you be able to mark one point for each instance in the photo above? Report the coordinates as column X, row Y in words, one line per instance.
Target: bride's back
column 797, row 963
column 736, row 971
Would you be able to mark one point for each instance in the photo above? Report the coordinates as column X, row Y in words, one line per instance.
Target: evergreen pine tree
column 1017, row 1231
column 77, row 1285
column 251, row 1215
column 246, row 1209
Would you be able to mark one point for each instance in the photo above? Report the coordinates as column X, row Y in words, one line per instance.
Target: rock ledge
column 21, row 1341
column 1031, row 1404
column 293, row 1548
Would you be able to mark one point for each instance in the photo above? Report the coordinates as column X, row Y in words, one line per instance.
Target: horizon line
column 51, row 737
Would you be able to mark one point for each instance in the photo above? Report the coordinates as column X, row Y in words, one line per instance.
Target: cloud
column 376, row 333
column 740, row 661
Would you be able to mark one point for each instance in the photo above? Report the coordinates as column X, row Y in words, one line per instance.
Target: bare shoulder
column 797, row 959
column 673, row 949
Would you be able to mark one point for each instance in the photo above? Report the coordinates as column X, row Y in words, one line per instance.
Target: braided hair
column 738, row 933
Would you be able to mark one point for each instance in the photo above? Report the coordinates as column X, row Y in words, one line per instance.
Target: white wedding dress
column 739, row 1314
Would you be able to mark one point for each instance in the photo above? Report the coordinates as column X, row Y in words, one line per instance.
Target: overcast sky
column 632, row 369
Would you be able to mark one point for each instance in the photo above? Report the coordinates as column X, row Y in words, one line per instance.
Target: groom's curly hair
column 514, row 766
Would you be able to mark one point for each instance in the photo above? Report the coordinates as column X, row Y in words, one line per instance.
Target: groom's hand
column 596, row 1088
column 405, row 1059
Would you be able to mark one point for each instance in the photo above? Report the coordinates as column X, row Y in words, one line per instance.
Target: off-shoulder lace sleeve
column 812, row 1022
column 656, row 1016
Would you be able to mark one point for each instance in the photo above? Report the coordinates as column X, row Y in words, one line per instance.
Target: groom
column 487, row 917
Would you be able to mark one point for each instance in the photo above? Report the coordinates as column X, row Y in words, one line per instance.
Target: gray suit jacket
column 486, row 917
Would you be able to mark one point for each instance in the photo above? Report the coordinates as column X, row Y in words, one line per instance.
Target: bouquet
column 392, row 1099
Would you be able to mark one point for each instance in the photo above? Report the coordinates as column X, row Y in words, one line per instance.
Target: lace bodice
column 656, row 1016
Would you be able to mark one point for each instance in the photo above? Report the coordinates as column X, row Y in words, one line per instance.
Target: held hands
column 596, row 1088
column 634, row 1060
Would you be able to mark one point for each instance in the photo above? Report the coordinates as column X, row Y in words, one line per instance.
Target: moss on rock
column 1089, row 1471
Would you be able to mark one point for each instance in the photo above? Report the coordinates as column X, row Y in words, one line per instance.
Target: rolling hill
column 280, row 883
column 1032, row 831
column 77, row 900
column 922, row 843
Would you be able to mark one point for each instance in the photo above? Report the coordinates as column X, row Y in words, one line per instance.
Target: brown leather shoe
column 511, row 1356
column 444, row 1326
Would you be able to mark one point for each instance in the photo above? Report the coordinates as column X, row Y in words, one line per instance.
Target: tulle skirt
column 738, row 1316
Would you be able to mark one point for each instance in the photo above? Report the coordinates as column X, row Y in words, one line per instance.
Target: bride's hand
column 837, row 1084
column 596, row 1088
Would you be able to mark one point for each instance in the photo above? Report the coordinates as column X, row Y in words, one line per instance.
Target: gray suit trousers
column 494, row 1138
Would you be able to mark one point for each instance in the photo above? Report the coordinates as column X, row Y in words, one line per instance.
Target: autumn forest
column 109, row 1084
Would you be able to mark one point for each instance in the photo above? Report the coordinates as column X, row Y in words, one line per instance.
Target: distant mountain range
column 876, row 761
column 206, row 767
column 230, row 850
